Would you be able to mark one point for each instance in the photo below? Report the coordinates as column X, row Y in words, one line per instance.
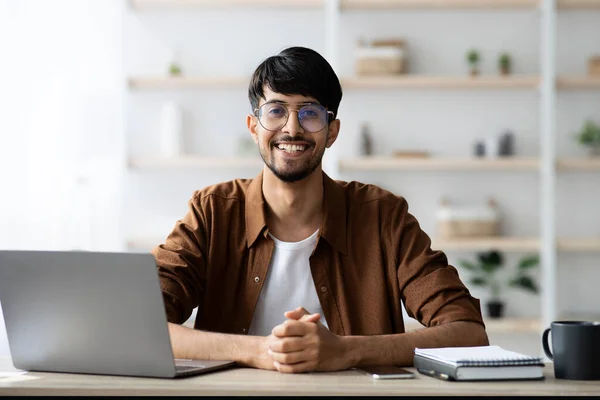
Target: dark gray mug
column 576, row 349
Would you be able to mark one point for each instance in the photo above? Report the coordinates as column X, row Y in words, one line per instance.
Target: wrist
column 248, row 350
column 352, row 353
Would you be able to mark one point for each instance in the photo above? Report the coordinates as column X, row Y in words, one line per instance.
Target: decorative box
column 468, row 221
column 381, row 57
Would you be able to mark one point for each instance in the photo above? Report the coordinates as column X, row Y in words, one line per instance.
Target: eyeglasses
column 311, row 117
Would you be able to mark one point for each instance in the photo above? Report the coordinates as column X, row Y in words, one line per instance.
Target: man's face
column 292, row 152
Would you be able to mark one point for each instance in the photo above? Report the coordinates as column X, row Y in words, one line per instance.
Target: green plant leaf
column 524, row 282
column 529, row 262
column 493, row 257
column 468, row 265
column 490, row 268
column 479, row 281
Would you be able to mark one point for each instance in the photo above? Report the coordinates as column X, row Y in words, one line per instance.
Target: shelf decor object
column 381, row 57
column 467, row 221
column 484, row 272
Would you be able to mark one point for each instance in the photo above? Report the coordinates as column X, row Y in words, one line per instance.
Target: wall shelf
column 495, row 325
column 581, row 245
column 578, row 82
column 579, row 164
column 378, row 163
column 485, row 244
column 187, row 82
column 417, row 81
column 195, row 162
column 142, row 5
column 577, row 4
column 358, row 82
column 436, row 4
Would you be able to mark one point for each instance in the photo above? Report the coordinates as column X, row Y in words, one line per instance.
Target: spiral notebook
column 477, row 363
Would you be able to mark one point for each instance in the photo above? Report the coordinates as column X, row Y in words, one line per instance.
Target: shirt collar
column 333, row 228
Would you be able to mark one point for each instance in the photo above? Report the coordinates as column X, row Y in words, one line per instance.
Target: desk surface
column 245, row 381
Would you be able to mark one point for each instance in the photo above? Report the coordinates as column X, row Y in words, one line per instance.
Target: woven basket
column 379, row 66
column 451, row 229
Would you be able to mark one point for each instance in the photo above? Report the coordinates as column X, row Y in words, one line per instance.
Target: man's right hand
column 262, row 358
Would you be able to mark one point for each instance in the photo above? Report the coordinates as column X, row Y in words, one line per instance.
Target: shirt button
column 244, row 330
column 323, row 289
column 256, row 279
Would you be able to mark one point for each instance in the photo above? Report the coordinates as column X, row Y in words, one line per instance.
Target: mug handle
column 546, row 345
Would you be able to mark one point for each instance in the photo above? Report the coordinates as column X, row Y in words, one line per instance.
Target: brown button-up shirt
column 371, row 255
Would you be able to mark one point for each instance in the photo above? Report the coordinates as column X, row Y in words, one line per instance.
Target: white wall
column 61, row 124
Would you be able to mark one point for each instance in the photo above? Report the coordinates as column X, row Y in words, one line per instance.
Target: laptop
column 91, row 313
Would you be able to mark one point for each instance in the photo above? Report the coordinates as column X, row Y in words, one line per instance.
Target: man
column 293, row 271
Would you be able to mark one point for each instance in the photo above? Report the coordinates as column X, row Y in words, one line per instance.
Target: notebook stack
column 477, row 363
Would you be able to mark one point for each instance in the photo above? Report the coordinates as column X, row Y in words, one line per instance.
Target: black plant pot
column 495, row 309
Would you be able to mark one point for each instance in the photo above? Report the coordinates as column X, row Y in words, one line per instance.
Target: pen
column 435, row 374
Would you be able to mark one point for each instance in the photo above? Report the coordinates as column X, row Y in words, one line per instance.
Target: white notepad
column 478, row 356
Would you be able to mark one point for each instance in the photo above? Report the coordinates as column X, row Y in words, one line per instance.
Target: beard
column 292, row 172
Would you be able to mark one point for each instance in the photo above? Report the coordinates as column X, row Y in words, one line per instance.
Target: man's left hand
column 303, row 344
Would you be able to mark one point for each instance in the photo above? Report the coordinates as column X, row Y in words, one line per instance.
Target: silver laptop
column 89, row 312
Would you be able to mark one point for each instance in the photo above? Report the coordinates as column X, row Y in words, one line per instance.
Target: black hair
column 297, row 70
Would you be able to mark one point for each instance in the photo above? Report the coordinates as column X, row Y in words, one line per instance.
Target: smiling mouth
column 292, row 148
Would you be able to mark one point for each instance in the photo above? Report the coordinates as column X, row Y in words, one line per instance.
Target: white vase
column 171, row 130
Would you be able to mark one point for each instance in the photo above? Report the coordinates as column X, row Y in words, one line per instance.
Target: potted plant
column 473, row 60
column 174, row 69
column 589, row 135
column 505, row 63
column 484, row 273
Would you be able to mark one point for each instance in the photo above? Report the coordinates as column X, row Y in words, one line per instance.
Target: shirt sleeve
column 431, row 289
column 181, row 263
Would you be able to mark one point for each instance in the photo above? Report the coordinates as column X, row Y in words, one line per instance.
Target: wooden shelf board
column 142, row 5
column 577, row 4
column 409, row 81
column 489, row 243
column 495, row 325
column 186, row 82
column 579, row 164
column 578, row 82
column 579, row 244
column 196, row 162
column 143, row 244
column 512, row 325
column 437, row 4
column 436, row 164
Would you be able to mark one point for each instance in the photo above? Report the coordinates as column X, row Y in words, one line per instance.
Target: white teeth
column 291, row 147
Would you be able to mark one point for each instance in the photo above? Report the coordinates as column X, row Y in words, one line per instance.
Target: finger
column 294, row 328
column 305, row 366
column 291, row 358
column 288, row 344
column 297, row 313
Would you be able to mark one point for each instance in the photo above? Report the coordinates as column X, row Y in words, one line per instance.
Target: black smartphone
column 386, row 372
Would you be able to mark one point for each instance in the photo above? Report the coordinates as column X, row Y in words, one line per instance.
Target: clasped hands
column 303, row 344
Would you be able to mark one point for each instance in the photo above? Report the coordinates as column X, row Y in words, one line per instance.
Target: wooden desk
column 244, row 381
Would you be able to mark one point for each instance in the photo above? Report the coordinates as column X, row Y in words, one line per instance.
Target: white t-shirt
column 288, row 285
